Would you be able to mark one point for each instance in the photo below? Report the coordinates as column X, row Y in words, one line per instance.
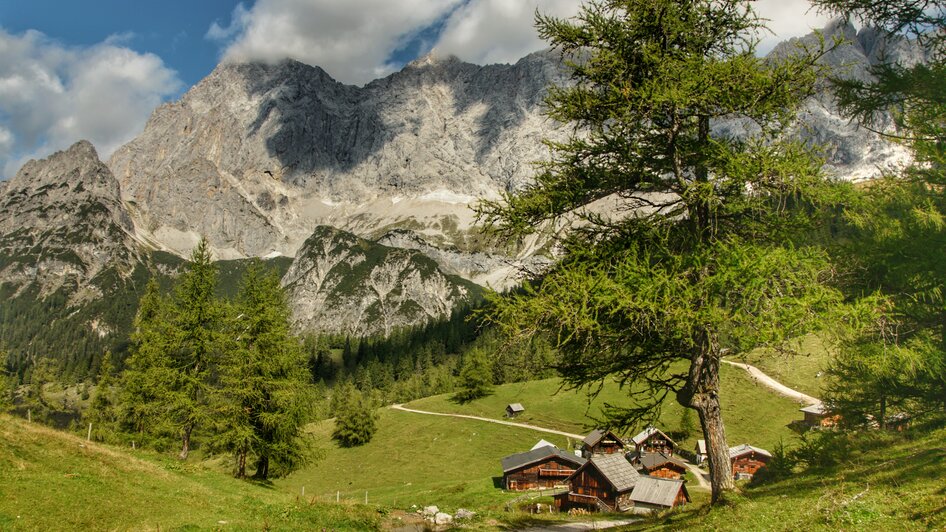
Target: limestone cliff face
column 62, row 223
column 340, row 283
column 255, row 156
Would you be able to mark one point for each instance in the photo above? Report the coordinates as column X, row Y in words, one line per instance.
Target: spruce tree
column 678, row 123
column 264, row 396
column 102, row 410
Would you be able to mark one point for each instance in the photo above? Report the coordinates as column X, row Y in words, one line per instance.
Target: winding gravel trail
column 497, row 421
column 773, row 384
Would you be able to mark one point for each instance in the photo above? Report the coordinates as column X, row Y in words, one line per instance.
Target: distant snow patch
column 446, row 196
column 272, row 255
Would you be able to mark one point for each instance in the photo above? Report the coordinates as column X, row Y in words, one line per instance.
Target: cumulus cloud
column 787, row 19
column 52, row 95
column 351, row 40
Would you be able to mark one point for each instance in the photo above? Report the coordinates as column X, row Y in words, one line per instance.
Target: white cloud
column 52, row 95
column 787, row 19
column 351, row 40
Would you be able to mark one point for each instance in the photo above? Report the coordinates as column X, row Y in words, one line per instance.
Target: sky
column 96, row 69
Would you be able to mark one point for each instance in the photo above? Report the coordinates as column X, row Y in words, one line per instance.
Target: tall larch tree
column 681, row 124
column 264, row 393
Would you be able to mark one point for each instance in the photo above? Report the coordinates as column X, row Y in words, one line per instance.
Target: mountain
column 344, row 284
column 256, row 155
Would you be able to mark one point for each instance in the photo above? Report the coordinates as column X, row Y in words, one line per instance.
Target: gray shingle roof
column 597, row 435
column 617, row 470
column 656, row 491
column 516, row 461
column 647, row 433
column 745, row 449
column 817, row 409
column 652, row 460
column 516, row 407
column 701, row 446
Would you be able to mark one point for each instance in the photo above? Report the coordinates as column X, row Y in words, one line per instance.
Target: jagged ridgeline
column 282, row 161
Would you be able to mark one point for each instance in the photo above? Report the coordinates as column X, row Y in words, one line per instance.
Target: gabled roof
column 543, row 443
column 701, row 446
column 652, row 460
column 597, row 435
column 818, row 409
column 519, row 460
column 515, row 407
column 745, row 449
column 615, row 469
column 658, row 491
column 647, row 433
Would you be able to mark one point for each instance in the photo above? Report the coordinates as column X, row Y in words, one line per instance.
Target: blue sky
column 96, row 69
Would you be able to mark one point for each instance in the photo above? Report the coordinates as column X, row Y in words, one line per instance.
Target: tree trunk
column 262, row 468
column 241, row 464
column 185, row 441
column 701, row 393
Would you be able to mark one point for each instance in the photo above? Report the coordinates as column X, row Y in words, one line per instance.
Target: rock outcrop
column 340, row 283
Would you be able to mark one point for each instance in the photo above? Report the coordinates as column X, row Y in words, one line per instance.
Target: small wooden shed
column 747, row 460
column 699, row 452
column 514, row 409
column 654, row 494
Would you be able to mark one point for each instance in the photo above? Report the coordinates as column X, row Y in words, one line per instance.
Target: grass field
column 51, row 480
column 418, row 460
column 802, row 371
column 752, row 413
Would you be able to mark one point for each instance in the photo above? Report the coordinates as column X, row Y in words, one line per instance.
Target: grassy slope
column 802, row 372
column 752, row 414
column 416, row 459
column 51, row 480
column 887, row 482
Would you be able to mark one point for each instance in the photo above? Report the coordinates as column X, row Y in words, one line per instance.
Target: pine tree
column 264, row 396
column 716, row 254
column 476, row 376
column 355, row 421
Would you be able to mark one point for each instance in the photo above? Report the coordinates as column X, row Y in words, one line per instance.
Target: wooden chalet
column 655, row 494
column 544, row 467
column 604, row 483
column 602, row 442
column 747, row 460
column 660, row 465
column 699, row 452
column 514, row 409
column 653, row 440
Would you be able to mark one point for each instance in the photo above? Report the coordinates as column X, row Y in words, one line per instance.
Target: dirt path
column 582, row 526
column 497, row 421
column 700, row 476
column 778, row 387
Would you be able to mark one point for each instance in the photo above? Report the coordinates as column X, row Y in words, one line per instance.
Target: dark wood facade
column 667, row 470
column 548, row 473
column 589, row 489
column 602, row 442
column 656, row 442
column 744, row 466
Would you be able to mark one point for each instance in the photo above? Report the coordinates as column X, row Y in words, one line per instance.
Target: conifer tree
column 476, row 376
column 355, row 420
column 197, row 323
column 102, row 410
column 706, row 251
column 264, row 396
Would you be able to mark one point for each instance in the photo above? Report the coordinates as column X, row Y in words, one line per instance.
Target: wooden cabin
column 747, row 460
column 514, row 409
column 817, row 416
column 699, row 452
column 603, row 483
column 602, row 442
column 544, row 467
column 660, row 465
column 653, row 440
column 655, row 494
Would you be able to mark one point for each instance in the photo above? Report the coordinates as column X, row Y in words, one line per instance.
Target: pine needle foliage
column 676, row 120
